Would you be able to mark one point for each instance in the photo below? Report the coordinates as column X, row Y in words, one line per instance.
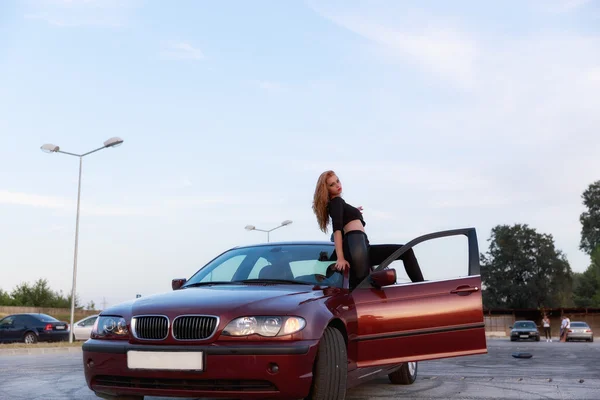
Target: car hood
column 225, row 299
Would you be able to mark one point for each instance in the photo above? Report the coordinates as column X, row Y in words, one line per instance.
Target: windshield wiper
column 273, row 281
column 196, row 284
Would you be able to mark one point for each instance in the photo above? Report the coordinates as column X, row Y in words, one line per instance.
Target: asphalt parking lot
column 556, row 371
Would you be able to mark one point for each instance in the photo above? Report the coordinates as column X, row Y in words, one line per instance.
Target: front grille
column 213, row 385
column 194, row 327
column 153, row 327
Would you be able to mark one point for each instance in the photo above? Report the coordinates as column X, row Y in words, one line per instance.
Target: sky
column 434, row 115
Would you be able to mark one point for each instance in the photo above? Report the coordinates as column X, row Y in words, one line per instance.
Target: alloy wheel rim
column 412, row 367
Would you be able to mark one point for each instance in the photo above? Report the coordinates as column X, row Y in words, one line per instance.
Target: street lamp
column 253, row 228
column 51, row 148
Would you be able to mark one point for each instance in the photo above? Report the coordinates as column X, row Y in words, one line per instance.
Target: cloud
column 33, row 200
column 160, row 206
column 433, row 45
column 76, row 13
column 268, row 86
column 561, row 6
column 180, row 51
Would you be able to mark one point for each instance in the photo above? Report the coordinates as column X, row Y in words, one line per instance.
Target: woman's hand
column 342, row 264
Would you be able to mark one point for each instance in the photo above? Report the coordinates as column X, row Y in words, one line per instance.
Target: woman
column 351, row 242
column 546, row 322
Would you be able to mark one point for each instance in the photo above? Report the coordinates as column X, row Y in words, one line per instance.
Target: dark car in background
column 32, row 328
column 524, row 330
column 580, row 330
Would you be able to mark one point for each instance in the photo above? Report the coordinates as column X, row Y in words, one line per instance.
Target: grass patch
column 38, row 345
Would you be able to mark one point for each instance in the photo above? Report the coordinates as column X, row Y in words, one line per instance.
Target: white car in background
column 83, row 328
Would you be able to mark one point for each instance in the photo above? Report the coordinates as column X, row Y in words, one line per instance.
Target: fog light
column 90, row 363
column 273, row 368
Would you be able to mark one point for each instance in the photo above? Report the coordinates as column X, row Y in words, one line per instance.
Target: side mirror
column 176, row 284
column 383, row 278
column 510, row 327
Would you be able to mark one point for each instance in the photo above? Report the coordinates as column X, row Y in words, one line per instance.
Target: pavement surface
column 556, row 371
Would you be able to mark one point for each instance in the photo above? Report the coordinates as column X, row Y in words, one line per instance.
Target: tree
column 40, row 295
column 586, row 290
column 590, row 219
column 523, row 269
column 91, row 305
column 5, row 299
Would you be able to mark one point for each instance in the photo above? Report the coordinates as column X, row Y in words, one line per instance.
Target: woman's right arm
column 339, row 250
column 336, row 211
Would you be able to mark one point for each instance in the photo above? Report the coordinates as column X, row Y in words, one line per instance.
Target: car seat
column 280, row 270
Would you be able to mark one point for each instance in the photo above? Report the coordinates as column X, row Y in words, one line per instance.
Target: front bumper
column 524, row 335
column 579, row 336
column 240, row 370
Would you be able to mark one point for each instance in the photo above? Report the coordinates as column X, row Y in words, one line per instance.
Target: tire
column 331, row 368
column 513, row 339
column 30, row 338
column 537, row 338
column 405, row 375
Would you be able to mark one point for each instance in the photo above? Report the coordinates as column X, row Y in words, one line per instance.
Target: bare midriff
column 354, row 225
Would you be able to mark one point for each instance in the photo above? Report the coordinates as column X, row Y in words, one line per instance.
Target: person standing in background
column 546, row 322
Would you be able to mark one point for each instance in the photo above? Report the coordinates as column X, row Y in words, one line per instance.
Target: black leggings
column 361, row 256
column 547, row 332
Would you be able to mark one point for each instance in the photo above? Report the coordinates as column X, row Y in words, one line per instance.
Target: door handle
column 464, row 290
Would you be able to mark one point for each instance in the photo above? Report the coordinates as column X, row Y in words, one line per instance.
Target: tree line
column 39, row 294
column 523, row 269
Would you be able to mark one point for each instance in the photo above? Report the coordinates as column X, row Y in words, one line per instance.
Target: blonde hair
column 321, row 199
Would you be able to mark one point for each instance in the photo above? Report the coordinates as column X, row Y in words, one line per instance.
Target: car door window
column 89, row 321
column 7, row 322
column 19, row 322
column 444, row 258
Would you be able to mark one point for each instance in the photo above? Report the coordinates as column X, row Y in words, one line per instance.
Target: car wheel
column 124, row 397
column 405, row 375
column 537, row 338
column 513, row 339
column 30, row 338
column 331, row 368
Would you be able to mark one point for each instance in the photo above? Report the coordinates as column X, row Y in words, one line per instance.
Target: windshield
column 524, row 325
column 298, row 263
column 46, row 318
column 579, row 325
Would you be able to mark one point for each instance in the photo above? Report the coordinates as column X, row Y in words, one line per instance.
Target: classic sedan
column 276, row 321
column 580, row 330
column 524, row 330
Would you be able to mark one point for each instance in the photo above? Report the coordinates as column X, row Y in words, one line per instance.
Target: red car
column 275, row 321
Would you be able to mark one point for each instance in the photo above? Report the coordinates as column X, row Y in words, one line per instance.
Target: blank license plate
column 60, row 327
column 524, row 336
column 166, row 360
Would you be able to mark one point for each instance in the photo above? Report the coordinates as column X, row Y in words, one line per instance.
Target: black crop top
column 341, row 213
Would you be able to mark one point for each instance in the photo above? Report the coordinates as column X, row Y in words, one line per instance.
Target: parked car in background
column 524, row 330
column 83, row 328
column 278, row 321
column 32, row 328
column 580, row 330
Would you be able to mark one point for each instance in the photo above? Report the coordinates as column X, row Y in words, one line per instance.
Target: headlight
column 264, row 326
column 110, row 327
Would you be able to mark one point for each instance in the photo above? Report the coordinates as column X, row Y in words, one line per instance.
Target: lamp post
column 50, row 148
column 253, row 228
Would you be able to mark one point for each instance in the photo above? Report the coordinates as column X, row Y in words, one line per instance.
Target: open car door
column 422, row 320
